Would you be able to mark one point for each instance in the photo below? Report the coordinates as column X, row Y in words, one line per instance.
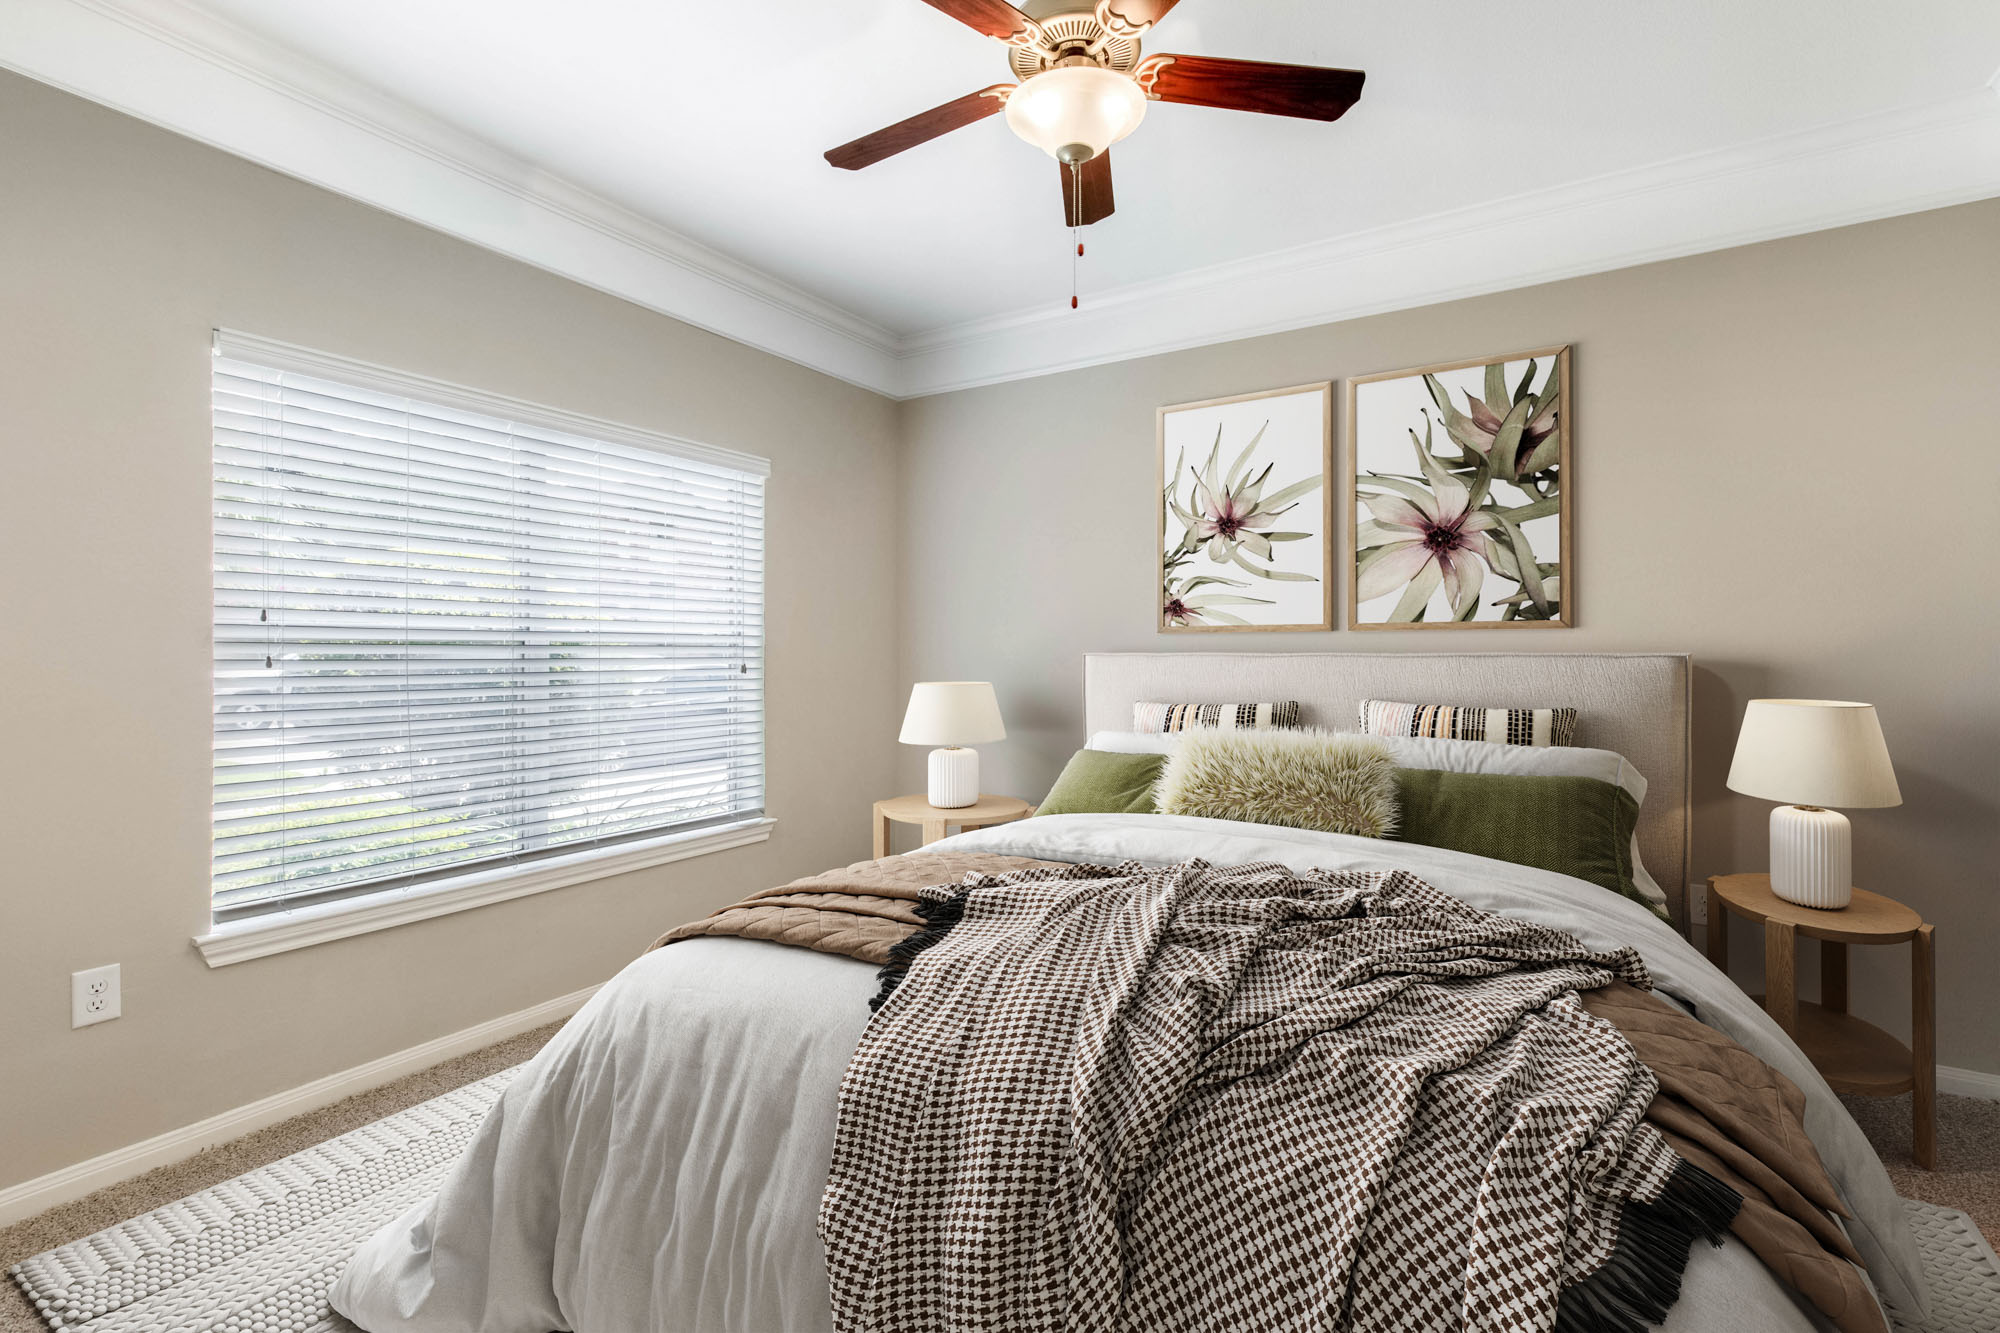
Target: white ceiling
column 707, row 121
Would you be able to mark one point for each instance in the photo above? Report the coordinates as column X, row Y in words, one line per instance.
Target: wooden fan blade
column 1129, row 18
column 1307, row 91
column 920, row 128
column 995, row 18
column 1094, row 177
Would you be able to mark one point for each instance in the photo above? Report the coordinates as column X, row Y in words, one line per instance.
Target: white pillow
column 1136, row 742
column 1453, row 756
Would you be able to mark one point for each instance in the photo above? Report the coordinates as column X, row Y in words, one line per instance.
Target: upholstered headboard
column 1634, row 703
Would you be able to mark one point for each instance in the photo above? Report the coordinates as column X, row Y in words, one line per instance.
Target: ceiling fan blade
column 1129, row 18
column 1307, row 91
column 995, row 18
column 1094, row 180
column 920, row 128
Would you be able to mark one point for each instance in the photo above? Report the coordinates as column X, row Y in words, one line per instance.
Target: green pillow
column 1575, row 826
column 1098, row 782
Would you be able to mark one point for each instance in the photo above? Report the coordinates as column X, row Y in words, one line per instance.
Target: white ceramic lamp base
column 1812, row 858
column 954, row 777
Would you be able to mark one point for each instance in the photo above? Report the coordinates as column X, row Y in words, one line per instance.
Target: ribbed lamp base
column 954, row 777
column 1812, row 858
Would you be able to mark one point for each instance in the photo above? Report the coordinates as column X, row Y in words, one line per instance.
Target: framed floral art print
column 1456, row 484
column 1245, row 512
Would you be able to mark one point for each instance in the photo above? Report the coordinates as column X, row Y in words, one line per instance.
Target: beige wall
column 121, row 246
column 1787, row 464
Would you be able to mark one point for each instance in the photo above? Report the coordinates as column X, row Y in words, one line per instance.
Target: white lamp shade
column 1076, row 104
column 1813, row 752
column 952, row 712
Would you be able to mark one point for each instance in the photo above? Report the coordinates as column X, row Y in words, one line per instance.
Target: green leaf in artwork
column 1417, row 594
column 1286, row 536
column 1546, row 454
column 1276, row 575
column 1533, row 509
column 1456, row 424
column 1436, row 475
column 1527, row 381
column 1545, row 424
column 1292, row 492
column 1496, row 387
column 1551, row 395
column 1254, row 487
column 1236, row 468
column 1409, row 490
column 1527, row 570
column 1507, row 440
column 1371, row 533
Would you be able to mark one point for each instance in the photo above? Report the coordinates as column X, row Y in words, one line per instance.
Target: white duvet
column 658, row 1165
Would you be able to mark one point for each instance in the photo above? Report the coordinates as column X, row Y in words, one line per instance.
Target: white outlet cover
column 94, row 996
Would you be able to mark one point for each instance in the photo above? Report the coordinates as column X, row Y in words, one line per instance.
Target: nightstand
column 936, row 819
column 1853, row 1056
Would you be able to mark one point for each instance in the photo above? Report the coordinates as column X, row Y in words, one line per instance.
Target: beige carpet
column 1968, row 1142
column 1968, row 1174
column 141, row 1194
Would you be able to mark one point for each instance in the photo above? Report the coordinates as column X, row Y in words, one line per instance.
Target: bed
column 660, row 1164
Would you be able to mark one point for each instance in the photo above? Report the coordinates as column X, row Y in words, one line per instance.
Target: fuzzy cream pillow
column 1300, row 779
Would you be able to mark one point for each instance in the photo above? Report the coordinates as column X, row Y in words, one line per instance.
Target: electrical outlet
column 93, row 996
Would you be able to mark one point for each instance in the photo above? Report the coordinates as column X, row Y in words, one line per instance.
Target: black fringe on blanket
column 1641, row 1280
column 939, row 917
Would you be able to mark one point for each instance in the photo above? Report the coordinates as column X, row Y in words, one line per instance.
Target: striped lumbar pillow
column 1501, row 726
column 1159, row 717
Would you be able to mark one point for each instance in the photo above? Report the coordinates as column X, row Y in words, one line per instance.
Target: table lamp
column 953, row 715
column 1811, row 754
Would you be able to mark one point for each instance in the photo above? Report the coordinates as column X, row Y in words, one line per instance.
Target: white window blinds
column 454, row 631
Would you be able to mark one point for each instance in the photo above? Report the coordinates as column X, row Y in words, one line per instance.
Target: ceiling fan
column 1083, row 86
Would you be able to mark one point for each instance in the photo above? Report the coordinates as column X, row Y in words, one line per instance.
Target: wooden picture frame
column 1230, row 576
column 1361, row 436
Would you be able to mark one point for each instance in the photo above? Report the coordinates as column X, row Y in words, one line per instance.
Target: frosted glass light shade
column 1074, row 106
column 1813, row 752
column 952, row 712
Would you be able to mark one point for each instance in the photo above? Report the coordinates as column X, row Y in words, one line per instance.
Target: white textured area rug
column 259, row 1253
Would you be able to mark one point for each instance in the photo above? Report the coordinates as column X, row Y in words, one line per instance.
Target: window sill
column 257, row 937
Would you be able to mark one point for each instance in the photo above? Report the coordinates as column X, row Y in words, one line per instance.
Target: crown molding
column 1905, row 161
column 190, row 72
column 179, row 67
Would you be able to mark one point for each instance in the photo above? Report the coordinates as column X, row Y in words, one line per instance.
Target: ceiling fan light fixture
column 1075, row 112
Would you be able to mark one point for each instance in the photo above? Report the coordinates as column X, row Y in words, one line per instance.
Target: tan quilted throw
column 862, row 912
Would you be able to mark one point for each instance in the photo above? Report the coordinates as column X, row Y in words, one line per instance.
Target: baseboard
column 73, row 1182
column 1969, row 1083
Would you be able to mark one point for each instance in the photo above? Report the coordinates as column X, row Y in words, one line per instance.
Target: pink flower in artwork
column 1421, row 539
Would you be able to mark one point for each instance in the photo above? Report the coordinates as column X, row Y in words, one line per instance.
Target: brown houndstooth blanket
column 1238, row 1098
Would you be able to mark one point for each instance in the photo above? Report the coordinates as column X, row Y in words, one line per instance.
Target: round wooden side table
column 937, row 819
column 1852, row 1055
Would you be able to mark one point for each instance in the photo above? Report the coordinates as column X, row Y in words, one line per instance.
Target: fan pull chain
column 1075, row 225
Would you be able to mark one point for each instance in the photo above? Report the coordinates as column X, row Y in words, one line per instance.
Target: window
column 455, row 633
